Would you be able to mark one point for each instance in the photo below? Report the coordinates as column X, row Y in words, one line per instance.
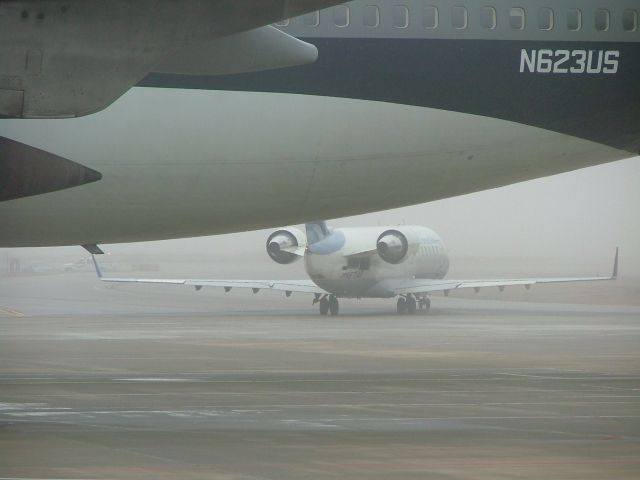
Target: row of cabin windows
column 488, row 18
column 430, row 249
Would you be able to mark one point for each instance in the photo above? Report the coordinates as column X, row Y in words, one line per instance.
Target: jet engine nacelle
column 286, row 246
column 394, row 245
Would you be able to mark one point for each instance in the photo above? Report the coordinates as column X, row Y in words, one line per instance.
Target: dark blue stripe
column 472, row 76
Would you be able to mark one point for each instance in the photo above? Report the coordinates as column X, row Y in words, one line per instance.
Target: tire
column 334, row 306
column 411, row 305
column 324, row 307
column 402, row 306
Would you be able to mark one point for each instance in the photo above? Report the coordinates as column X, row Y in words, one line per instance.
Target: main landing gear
column 329, row 305
column 409, row 304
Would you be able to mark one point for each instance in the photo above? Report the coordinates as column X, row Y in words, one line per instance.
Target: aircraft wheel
column 402, row 306
column 334, row 306
column 411, row 305
column 324, row 306
column 424, row 304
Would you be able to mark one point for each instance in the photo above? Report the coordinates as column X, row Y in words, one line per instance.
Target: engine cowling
column 286, row 246
column 393, row 246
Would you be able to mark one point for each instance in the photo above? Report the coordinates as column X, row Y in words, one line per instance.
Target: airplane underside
column 373, row 124
column 177, row 163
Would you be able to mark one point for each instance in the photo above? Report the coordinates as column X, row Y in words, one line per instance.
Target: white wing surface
column 287, row 286
column 417, row 286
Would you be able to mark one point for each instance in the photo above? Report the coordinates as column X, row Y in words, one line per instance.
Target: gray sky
column 574, row 219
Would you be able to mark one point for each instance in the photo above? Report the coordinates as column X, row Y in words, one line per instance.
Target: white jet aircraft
column 408, row 262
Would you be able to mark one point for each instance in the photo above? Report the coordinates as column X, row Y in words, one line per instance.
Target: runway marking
column 350, row 405
column 574, row 393
column 225, row 410
column 155, row 380
column 18, row 381
column 12, row 312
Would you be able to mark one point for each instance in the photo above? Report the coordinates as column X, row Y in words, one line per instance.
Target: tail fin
column 614, row 275
column 316, row 231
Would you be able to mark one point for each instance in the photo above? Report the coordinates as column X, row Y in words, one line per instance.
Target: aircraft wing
column 417, row 286
column 87, row 54
column 287, row 286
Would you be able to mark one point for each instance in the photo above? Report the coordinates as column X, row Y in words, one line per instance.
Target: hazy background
column 566, row 224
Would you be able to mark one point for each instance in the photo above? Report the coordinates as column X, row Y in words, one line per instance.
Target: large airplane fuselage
column 405, row 104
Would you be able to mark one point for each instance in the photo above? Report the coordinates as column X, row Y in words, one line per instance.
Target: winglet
column 614, row 275
column 95, row 264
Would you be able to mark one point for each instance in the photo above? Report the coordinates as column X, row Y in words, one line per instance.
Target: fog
column 571, row 222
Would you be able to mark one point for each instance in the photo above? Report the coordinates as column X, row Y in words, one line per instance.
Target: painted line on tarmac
column 13, row 313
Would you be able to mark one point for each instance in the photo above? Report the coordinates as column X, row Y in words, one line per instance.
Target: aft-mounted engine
column 395, row 245
column 286, row 246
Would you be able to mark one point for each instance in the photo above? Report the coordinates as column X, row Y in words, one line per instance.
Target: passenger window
column 341, row 16
column 311, row 19
column 574, row 20
column 430, row 17
column 371, row 16
column 602, row 20
column 545, row 19
column 488, row 18
column 283, row 23
column 400, row 16
column 630, row 20
column 516, row 18
column 459, row 18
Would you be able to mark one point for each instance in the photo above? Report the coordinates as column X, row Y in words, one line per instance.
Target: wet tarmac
column 102, row 383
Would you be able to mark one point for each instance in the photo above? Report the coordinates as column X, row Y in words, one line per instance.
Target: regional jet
column 408, row 262
column 153, row 119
